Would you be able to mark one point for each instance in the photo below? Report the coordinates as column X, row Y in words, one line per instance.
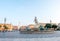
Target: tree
column 41, row 27
column 0, row 26
column 54, row 26
column 5, row 27
column 48, row 25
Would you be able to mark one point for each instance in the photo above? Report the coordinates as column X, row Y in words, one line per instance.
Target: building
column 43, row 24
column 15, row 27
column 9, row 27
column 58, row 26
column 31, row 26
column 34, row 27
column 22, row 28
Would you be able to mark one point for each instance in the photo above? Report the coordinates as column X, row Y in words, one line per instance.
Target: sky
column 23, row 12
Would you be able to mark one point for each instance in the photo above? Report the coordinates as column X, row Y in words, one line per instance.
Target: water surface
column 17, row 36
